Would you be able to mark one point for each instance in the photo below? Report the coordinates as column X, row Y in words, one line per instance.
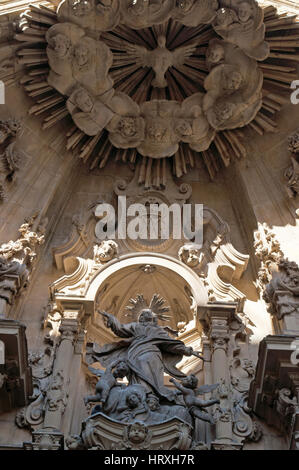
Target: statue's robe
column 149, row 352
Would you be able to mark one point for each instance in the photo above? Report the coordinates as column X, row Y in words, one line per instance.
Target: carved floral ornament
column 158, row 78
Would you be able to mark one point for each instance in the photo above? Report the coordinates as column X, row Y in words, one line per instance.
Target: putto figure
column 107, row 381
column 242, row 23
column 195, row 405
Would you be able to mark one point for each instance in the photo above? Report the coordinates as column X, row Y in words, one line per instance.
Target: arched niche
column 147, row 273
column 110, row 287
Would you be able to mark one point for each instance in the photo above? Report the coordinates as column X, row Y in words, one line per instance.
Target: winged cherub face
column 84, row 101
column 216, row 54
column 224, row 111
column 184, row 128
column 127, row 126
column 82, row 55
column 61, row 45
column 137, row 433
column 233, row 81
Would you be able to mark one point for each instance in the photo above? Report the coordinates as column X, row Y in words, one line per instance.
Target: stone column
column 217, row 318
column 219, row 337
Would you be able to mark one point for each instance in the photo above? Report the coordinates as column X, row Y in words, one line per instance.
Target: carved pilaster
column 57, row 394
column 217, row 318
column 223, row 327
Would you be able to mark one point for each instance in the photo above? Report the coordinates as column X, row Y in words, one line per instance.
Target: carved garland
column 185, row 77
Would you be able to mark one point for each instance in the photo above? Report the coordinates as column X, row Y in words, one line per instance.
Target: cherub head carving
column 61, row 45
column 223, row 111
column 232, row 80
column 215, row 54
column 137, row 432
column 84, row 100
column 105, row 252
column 191, row 255
column 127, row 126
column 183, row 128
column 82, row 56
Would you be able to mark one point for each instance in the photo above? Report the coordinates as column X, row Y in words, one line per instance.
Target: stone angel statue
column 160, row 59
column 107, row 380
column 188, row 388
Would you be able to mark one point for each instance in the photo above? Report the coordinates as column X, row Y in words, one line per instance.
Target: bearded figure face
column 147, row 316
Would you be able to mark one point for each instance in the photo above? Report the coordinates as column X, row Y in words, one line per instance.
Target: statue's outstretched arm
column 205, row 403
column 179, row 386
column 123, row 331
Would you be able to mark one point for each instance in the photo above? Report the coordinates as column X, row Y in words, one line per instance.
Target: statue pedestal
column 103, row 433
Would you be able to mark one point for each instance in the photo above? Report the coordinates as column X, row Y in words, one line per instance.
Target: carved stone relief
column 267, row 249
column 242, row 24
column 17, row 259
column 87, row 61
column 292, row 173
column 138, row 411
column 105, row 252
column 41, row 363
column 282, row 296
column 10, row 157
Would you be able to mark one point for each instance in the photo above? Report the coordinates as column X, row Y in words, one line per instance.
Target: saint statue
column 147, row 348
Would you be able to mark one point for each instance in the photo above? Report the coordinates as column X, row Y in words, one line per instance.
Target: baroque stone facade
column 139, row 343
